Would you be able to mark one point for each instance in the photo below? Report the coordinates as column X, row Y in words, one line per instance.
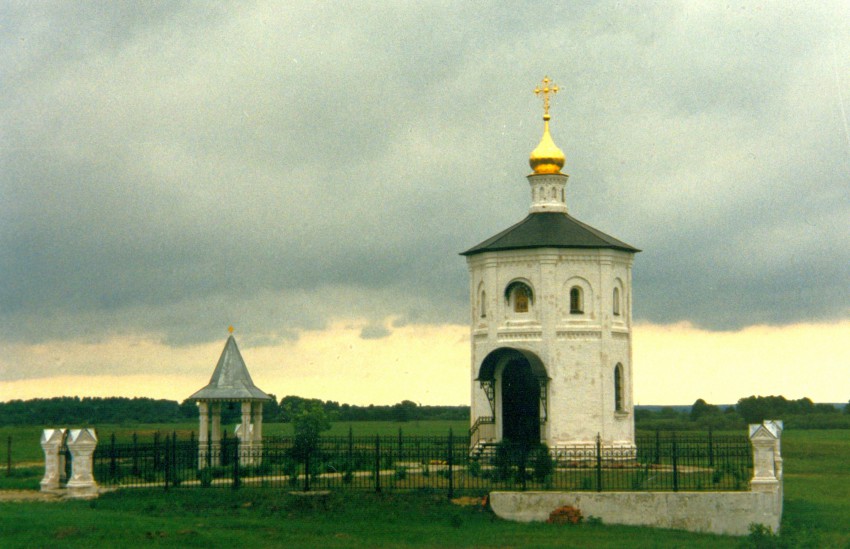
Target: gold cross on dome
column 230, row 329
column 546, row 89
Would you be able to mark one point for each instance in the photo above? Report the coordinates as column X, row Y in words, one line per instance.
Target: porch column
column 215, row 442
column 245, row 439
column 257, row 435
column 203, row 433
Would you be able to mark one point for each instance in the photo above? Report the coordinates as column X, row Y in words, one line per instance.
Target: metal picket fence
column 661, row 462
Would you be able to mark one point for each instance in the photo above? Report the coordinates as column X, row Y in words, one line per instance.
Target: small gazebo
column 230, row 382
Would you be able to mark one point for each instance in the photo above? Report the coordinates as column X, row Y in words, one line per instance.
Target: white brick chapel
column 551, row 301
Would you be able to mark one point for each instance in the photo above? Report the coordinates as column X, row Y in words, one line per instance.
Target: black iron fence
column 660, row 462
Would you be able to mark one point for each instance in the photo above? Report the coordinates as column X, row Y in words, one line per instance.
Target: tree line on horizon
column 56, row 411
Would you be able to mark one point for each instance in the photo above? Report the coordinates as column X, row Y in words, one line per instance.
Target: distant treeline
column 62, row 411
column 796, row 414
column 66, row 411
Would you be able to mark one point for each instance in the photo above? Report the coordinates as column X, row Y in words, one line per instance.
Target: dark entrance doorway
column 520, row 403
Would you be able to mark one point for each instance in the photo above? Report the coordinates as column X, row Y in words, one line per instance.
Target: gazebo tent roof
column 230, row 380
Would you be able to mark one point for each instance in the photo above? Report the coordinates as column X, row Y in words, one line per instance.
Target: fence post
column 657, row 447
column 598, row 462
column 377, row 464
column 9, row 456
column 675, row 457
column 523, row 460
column 307, row 471
column 175, row 460
column 350, row 451
column 399, row 445
column 167, row 460
column 135, row 455
column 236, row 480
column 113, row 465
column 156, row 451
column 710, row 449
column 450, row 463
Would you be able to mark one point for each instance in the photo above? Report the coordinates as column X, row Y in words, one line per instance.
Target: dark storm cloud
column 170, row 169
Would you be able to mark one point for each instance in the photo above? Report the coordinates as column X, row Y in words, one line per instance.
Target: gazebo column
column 245, row 439
column 203, row 434
column 215, row 446
column 257, row 435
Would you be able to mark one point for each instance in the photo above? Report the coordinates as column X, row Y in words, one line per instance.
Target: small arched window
column 576, row 305
column 519, row 296
column 520, row 299
column 618, row 387
column 616, row 301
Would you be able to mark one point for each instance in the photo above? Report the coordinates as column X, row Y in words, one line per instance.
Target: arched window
column 576, row 306
column 618, row 387
column 519, row 296
column 521, row 299
column 616, row 301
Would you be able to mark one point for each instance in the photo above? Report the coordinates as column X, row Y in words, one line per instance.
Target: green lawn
column 817, row 514
column 223, row 518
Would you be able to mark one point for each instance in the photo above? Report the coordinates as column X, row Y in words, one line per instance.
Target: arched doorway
column 514, row 382
column 520, row 402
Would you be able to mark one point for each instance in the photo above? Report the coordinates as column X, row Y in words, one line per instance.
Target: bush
column 543, row 464
column 565, row 515
column 205, row 476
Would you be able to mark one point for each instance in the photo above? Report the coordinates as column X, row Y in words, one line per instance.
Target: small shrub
column 475, row 468
column 762, row 537
column 205, row 475
column 543, row 464
column 400, row 473
column 566, row 514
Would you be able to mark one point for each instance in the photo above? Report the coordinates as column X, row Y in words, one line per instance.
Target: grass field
column 817, row 514
column 26, row 448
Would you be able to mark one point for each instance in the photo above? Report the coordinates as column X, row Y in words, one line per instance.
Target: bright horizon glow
column 429, row 364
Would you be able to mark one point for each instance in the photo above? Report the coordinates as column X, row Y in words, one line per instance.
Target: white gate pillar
column 81, row 443
column 51, row 443
column 765, row 440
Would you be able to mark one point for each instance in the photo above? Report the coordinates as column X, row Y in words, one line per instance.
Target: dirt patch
column 28, row 495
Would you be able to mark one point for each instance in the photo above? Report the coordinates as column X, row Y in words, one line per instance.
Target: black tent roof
column 549, row 230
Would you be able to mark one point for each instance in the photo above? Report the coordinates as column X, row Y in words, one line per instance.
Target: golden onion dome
column 547, row 157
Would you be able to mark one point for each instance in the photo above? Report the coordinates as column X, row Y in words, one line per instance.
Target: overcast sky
column 168, row 169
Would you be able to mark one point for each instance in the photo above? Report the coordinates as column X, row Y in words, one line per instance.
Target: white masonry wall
column 729, row 513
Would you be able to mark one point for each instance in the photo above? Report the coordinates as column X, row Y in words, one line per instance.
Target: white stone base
column 82, row 490
column 729, row 513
